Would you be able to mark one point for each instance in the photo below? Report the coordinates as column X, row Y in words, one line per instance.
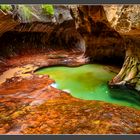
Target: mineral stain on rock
column 59, row 112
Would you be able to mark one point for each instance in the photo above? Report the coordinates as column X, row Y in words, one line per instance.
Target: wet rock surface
column 32, row 106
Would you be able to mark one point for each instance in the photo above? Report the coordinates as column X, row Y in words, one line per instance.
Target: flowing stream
column 88, row 82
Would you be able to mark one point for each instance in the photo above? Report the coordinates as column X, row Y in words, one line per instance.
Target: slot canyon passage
column 69, row 69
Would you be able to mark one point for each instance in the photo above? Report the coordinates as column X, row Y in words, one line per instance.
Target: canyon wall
column 102, row 33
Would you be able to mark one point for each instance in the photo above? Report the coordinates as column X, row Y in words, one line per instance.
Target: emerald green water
column 88, row 82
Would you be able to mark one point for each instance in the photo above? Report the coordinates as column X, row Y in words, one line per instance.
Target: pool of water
column 88, row 82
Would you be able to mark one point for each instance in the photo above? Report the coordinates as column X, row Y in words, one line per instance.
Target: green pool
column 88, row 82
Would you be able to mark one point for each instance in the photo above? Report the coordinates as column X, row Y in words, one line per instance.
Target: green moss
column 5, row 7
column 48, row 9
column 27, row 11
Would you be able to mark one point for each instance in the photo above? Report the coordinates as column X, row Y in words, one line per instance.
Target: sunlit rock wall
column 61, row 13
column 123, row 18
column 32, row 14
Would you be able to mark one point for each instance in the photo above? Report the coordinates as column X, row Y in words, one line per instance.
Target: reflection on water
column 87, row 82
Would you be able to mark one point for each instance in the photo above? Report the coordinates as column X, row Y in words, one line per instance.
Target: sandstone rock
column 123, row 18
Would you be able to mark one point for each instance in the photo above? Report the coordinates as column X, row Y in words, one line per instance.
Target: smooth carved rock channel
column 72, row 98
